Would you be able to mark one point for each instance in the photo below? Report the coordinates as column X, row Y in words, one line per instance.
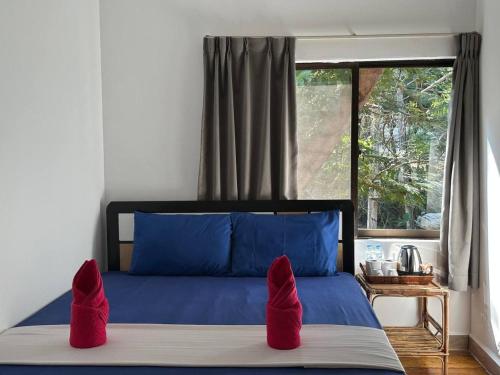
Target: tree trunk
column 372, row 213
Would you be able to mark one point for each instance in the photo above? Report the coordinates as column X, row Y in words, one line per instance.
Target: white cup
column 387, row 265
column 391, row 272
column 372, row 266
column 376, row 273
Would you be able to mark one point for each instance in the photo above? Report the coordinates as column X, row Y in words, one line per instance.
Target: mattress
column 210, row 300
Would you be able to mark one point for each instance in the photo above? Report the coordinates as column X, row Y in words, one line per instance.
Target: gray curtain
column 249, row 135
column 460, row 220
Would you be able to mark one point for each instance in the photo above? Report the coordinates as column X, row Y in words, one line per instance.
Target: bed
column 205, row 300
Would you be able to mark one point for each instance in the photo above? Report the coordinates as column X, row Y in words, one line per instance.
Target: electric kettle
column 409, row 260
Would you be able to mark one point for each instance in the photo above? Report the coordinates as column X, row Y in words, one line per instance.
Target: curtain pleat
column 249, row 140
column 460, row 219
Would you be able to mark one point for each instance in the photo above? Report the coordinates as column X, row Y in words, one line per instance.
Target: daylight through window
column 401, row 121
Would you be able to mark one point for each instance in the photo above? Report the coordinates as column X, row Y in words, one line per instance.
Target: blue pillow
column 181, row 244
column 310, row 241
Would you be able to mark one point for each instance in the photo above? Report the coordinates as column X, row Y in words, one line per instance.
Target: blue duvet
column 210, row 300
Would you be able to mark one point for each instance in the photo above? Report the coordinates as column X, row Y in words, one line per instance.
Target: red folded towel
column 283, row 311
column 89, row 309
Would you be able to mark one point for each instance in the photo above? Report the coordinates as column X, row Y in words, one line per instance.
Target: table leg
column 425, row 321
column 421, row 311
column 369, row 296
column 446, row 323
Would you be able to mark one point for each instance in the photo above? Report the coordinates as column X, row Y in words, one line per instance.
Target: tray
column 401, row 279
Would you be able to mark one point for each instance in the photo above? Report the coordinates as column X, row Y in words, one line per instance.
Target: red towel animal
column 283, row 311
column 89, row 309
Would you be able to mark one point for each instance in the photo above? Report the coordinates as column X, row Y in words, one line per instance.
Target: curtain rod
column 371, row 36
column 360, row 36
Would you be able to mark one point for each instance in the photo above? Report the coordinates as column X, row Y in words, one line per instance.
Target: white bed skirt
column 328, row 346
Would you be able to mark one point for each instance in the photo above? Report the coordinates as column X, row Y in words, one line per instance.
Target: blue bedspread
column 210, row 300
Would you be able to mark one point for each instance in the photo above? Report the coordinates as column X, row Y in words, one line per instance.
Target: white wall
column 152, row 82
column 152, row 71
column 369, row 48
column 51, row 151
column 485, row 301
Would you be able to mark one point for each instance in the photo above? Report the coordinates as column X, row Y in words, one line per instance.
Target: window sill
column 417, row 234
column 399, row 240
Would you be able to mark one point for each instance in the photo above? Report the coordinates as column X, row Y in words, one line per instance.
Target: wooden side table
column 428, row 337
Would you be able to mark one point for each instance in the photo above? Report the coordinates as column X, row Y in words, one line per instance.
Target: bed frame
column 277, row 207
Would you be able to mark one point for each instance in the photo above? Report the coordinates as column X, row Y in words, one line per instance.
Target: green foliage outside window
column 402, row 140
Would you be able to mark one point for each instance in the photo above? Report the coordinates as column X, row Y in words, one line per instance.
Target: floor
column 460, row 363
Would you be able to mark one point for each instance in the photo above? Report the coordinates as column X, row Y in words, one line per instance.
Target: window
column 324, row 99
column 383, row 147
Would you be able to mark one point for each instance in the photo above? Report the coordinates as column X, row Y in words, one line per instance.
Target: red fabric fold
column 283, row 310
column 89, row 309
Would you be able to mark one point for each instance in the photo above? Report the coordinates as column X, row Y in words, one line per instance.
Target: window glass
column 402, row 120
column 324, row 100
column 402, row 140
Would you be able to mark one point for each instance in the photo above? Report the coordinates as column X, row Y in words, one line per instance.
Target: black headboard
column 345, row 206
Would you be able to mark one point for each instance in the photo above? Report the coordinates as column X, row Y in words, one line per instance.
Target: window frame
column 355, row 68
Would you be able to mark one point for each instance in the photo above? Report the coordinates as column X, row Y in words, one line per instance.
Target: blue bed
column 210, row 300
